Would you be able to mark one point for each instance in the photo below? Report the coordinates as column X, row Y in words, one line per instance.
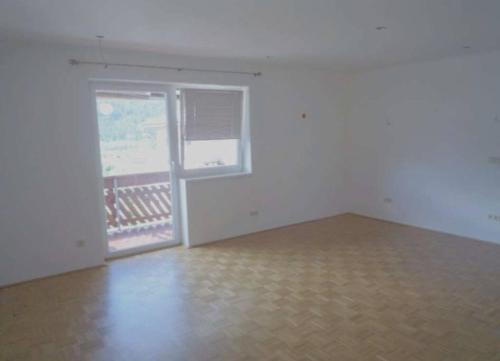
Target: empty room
column 239, row 180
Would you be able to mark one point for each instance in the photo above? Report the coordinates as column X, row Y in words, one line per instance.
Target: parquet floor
column 346, row 288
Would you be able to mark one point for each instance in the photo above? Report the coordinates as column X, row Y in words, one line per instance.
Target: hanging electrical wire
column 99, row 39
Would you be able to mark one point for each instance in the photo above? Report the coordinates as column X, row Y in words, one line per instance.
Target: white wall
column 422, row 134
column 49, row 183
column 297, row 163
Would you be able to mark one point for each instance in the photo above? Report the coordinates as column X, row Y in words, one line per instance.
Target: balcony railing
column 137, row 201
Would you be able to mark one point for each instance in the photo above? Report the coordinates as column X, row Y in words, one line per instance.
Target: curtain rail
column 125, row 65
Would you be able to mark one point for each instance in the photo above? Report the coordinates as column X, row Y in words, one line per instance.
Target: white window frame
column 167, row 89
column 243, row 165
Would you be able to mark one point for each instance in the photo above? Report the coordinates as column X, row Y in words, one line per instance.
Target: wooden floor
column 341, row 289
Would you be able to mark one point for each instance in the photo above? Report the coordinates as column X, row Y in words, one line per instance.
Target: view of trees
column 121, row 119
column 133, row 135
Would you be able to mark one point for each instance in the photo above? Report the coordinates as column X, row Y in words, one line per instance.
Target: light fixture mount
column 381, row 28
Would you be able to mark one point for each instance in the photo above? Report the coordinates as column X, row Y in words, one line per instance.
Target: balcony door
column 139, row 185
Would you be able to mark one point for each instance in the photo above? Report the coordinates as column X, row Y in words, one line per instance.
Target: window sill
column 198, row 178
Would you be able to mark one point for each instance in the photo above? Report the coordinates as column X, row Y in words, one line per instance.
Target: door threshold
column 143, row 249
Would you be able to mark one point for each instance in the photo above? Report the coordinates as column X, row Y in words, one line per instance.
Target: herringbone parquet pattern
column 341, row 289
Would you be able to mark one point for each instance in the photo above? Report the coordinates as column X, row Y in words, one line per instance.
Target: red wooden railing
column 137, row 201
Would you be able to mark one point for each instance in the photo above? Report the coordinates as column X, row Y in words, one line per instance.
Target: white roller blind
column 209, row 114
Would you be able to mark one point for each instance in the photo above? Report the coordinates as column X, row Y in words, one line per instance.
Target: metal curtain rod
column 79, row 62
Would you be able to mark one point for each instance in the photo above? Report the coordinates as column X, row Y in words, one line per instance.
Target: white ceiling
column 333, row 33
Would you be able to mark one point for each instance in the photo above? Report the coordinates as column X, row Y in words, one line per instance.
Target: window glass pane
column 210, row 153
column 211, row 114
column 133, row 135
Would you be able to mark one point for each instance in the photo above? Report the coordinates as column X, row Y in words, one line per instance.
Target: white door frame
column 171, row 119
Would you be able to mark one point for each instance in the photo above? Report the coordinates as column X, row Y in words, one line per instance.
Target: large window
column 212, row 130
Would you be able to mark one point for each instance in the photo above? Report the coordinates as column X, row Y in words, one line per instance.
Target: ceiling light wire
column 99, row 39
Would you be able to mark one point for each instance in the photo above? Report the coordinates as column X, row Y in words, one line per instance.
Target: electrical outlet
column 494, row 160
column 254, row 213
column 388, row 200
column 494, row 217
column 80, row 243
